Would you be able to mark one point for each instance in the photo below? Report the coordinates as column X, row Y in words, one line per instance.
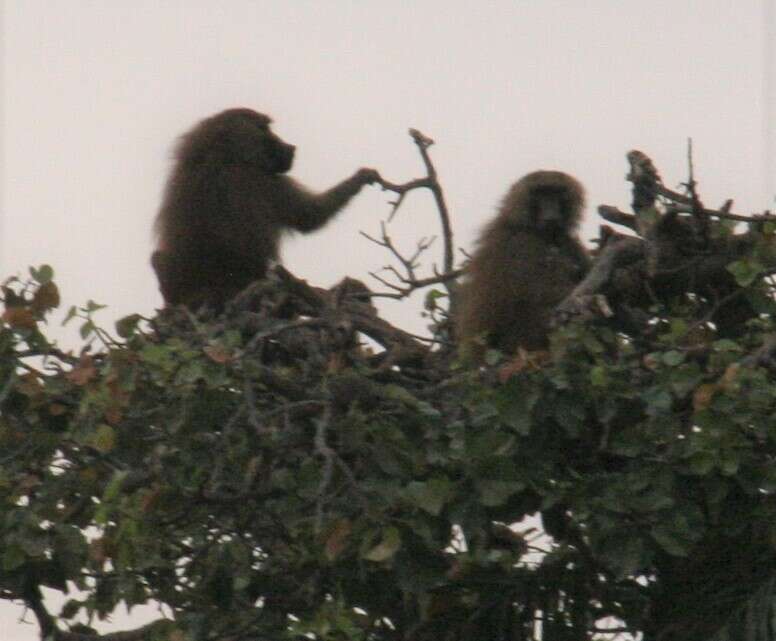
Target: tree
column 264, row 475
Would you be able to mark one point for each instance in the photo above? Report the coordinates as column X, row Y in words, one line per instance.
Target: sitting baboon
column 527, row 260
column 226, row 204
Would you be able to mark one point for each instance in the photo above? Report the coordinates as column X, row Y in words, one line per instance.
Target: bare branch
column 674, row 251
column 614, row 215
column 647, row 181
column 409, row 281
column 49, row 630
column 722, row 213
column 143, row 633
column 402, row 191
column 423, row 143
column 323, row 450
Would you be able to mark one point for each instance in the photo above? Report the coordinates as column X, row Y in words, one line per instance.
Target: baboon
column 527, row 260
column 226, row 205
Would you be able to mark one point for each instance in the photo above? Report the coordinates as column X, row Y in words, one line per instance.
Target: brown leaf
column 19, row 318
column 728, row 379
column 29, row 384
column 97, row 551
column 336, row 363
column 337, row 539
column 218, row 353
column 150, row 499
column 113, row 415
column 57, row 409
column 47, row 297
column 83, row 372
column 702, row 397
column 88, row 475
column 523, row 360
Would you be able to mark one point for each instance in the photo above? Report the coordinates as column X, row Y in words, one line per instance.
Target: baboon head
column 237, row 136
column 548, row 203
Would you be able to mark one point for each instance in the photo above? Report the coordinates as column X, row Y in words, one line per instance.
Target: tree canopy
column 267, row 474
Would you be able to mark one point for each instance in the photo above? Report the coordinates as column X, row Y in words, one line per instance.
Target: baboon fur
column 527, row 260
column 226, row 205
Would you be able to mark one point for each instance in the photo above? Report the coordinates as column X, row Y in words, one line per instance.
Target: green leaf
column 702, row 463
column 104, row 439
column 13, row 557
column 658, row 400
column 126, row 326
column 599, row 376
column 401, row 394
column 624, row 553
column 490, row 444
column 71, row 314
column 570, row 414
column 670, row 540
column 70, row 609
column 493, row 357
column 673, row 358
column 433, row 295
column 114, row 485
column 387, row 548
column 515, row 406
column 92, row 307
column 678, row 328
column 34, row 546
column 431, row 495
column 44, row 274
column 730, row 463
column 727, row 345
column 495, row 493
column 746, row 271
column 86, row 329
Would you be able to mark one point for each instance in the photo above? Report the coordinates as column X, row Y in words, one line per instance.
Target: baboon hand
column 366, row 176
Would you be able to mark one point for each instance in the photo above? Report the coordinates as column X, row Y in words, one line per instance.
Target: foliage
column 272, row 482
column 263, row 474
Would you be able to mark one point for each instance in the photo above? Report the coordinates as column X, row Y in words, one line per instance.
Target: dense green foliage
column 266, row 480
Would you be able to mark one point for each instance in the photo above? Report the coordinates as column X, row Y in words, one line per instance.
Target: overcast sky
column 95, row 93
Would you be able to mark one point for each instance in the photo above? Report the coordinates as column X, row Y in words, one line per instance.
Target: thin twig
column 322, row 448
column 410, row 282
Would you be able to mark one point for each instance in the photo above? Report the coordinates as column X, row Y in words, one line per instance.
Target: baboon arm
column 305, row 211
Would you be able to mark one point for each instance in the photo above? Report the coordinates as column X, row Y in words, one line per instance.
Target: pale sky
column 94, row 94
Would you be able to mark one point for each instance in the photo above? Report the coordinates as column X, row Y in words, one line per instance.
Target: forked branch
column 408, row 280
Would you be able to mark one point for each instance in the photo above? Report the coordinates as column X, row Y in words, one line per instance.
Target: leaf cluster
column 266, row 475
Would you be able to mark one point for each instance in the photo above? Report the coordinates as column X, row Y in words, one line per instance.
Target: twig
column 402, row 191
column 33, row 599
column 691, row 184
column 310, row 323
column 423, row 143
column 718, row 213
column 412, row 285
column 322, row 448
column 625, row 250
column 617, row 217
column 431, row 182
column 684, row 203
column 410, row 282
column 50, row 632
column 410, row 263
column 143, row 633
